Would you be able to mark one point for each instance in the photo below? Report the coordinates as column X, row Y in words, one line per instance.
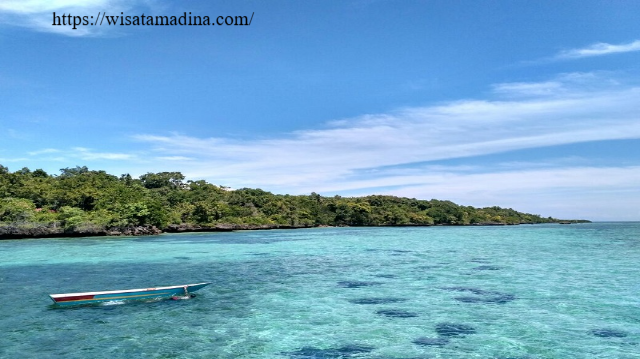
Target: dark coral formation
column 481, row 295
column 431, row 341
column 346, row 351
column 454, row 329
column 608, row 333
column 356, row 284
column 396, row 313
column 379, row 300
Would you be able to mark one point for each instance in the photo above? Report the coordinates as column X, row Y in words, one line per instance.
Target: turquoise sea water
column 531, row 291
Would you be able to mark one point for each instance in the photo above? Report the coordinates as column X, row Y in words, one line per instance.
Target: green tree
column 16, row 210
column 71, row 217
column 171, row 180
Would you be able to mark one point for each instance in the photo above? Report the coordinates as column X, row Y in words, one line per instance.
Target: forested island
column 83, row 202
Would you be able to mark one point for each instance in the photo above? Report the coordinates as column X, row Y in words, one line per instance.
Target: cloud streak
column 523, row 118
column 81, row 153
column 606, row 193
column 43, row 151
column 599, row 49
column 37, row 15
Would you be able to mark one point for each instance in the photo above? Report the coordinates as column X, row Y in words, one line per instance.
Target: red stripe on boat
column 75, row 297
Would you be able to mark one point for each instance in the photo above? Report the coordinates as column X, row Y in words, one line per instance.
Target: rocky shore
column 185, row 227
column 53, row 230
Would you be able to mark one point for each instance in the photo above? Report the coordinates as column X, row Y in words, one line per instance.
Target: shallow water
column 532, row 291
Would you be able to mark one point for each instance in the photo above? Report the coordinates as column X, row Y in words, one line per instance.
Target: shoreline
column 52, row 231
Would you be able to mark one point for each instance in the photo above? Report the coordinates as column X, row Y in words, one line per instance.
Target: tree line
column 79, row 199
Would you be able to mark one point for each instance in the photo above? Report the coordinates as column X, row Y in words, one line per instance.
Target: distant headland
column 83, row 202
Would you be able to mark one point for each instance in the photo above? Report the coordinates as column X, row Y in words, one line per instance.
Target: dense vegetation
column 83, row 201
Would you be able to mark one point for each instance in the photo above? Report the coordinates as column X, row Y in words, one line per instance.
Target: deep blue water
column 531, row 291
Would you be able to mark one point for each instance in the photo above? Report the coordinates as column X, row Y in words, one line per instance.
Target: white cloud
column 38, row 6
column 562, row 115
column 82, row 153
column 43, row 151
column 38, row 14
column 89, row 155
column 609, row 193
column 530, row 89
column 599, row 49
column 174, row 158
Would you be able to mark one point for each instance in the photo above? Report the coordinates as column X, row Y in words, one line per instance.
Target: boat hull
column 124, row 295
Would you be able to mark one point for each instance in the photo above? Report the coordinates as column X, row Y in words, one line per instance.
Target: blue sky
column 522, row 104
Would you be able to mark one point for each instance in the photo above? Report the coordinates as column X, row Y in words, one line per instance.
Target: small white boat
column 127, row 294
